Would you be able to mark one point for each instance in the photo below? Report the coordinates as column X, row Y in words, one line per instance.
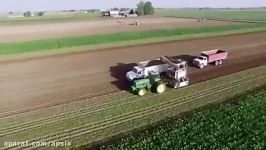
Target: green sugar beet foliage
column 241, row 125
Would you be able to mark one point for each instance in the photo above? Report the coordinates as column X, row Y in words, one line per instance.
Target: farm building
column 123, row 12
column 128, row 12
column 111, row 13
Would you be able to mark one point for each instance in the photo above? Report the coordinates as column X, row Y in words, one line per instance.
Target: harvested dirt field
column 15, row 33
column 37, row 83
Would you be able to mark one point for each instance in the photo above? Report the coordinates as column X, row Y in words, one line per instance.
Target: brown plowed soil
column 16, row 33
column 36, row 83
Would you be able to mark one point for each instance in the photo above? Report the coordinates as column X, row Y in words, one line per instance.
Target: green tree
column 145, row 8
column 148, row 8
column 40, row 13
column 140, row 8
column 27, row 14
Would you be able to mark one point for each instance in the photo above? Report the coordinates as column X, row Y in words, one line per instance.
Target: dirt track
column 37, row 82
column 15, row 33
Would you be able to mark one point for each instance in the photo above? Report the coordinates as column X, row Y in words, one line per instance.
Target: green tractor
column 153, row 81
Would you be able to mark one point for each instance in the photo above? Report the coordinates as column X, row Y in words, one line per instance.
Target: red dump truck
column 215, row 56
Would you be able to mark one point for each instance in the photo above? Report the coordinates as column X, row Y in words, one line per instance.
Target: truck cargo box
column 214, row 55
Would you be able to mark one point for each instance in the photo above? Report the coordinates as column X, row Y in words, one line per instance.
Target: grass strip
column 62, row 43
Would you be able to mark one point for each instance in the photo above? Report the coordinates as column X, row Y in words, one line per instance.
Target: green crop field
column 63, row 43
column 51, row 17
column 97, row 119
column 237, row 125
column 215, row 14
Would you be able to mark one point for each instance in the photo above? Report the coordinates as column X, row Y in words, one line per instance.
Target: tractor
column 146, row 76
column 151, row 82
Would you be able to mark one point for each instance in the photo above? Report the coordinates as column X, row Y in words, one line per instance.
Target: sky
column 41, row 5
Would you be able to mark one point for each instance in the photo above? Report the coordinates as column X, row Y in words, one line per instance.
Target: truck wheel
column 220, row 62
column 216, row 63
column 201, row 66
column 142, row 92
column 160, row 88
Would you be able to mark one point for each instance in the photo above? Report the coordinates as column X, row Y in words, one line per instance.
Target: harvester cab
column 177, row 72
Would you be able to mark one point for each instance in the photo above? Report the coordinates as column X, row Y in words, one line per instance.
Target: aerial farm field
column 80, row 93
column 248, row 15
column 96, row 119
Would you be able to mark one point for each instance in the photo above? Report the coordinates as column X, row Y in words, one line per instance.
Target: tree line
column 145, row 8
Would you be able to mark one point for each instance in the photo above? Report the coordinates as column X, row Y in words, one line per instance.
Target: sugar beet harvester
column 146, row 75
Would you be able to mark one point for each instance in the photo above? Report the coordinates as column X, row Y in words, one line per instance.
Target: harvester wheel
column 220, row 62
column 142, row 92
column 160, row 88
column 176, row 85
column 201, row 66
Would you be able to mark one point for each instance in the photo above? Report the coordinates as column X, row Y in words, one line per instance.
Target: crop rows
column 146, row 111
column 217, row 127
column 68, row 115
column 46, row 105
column 130, row 116
column 139, row 114
column 63, row 116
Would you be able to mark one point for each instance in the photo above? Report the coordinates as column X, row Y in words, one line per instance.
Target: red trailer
column 215, row 56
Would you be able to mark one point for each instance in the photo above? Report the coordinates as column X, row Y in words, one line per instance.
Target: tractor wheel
column 216, row 63
column 142, row 92
column 160, row 88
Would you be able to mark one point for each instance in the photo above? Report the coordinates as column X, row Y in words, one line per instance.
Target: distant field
column 93, row 26
column 238, row 125
column 50, row 17
column 214, row 14
column 63, row 43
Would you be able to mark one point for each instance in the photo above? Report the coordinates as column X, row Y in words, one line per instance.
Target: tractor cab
column 153, row 81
